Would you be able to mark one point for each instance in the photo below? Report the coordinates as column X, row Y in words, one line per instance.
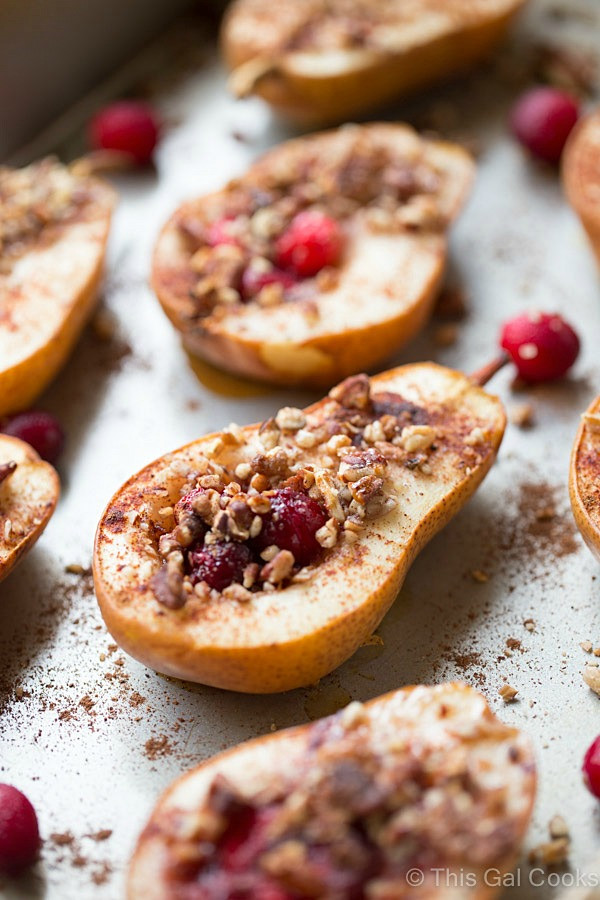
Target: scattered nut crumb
column 587, row 646
column 591, row 676
column 529, row 624
column 558, row 828
column 445, row 335
column 508, row 693
column 479, row 576
column 521, row 415
column 552, row 853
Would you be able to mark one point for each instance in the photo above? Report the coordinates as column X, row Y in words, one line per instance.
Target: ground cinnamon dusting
column 158, row 747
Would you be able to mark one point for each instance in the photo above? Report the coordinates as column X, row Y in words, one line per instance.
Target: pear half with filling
column 323, row 61
column 29, row 489
column 388, row 461
column 581, row 175
column 391, row 194
column 584, row 477
column 370, row 802
column 53, row 231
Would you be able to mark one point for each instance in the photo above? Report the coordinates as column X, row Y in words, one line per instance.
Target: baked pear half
column 319, row 262
column 53, row 230
column 260, row 558
column 395, row 798
column 29, row 489
column 584, row 478
column 581, row 175
column 323, row 61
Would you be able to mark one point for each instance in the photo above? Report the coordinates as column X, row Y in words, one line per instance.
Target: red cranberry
column 542, row 120
column 311, row 242
column 221, row 231
column 591, row 767
column 39, row 429
column 19, row 832
column 253, row 281
column 238, row 850
column 291, row 524
column 128, row 126
column 542, row 346
column 219, row 565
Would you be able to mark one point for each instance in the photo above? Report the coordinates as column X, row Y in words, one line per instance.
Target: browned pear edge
column 584, row 479
column 375, row 79
column 328, row 356
column 13, row 449
column 22, row 383
column 151, row 854
column 275, row 666
column 581, row 175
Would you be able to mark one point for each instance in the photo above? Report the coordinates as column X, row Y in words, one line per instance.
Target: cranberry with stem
column 542, row 120
column 542, row 345
column 311, row 241
column 39, row 429
column 292, row 524
column 128, row 126
column 19, row 831
column 591, row 767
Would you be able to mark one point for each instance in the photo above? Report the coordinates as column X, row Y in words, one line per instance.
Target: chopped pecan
column 329, row 489
column 273, row 464
column 268, row 434
column 327, row 535
column 290, row 419
column 167, row 583
column 362, row 463
column 353, row 392
column 417, row 437
column 279, row 568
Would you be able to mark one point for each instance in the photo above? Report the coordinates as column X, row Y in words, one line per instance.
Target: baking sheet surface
column 92, row 736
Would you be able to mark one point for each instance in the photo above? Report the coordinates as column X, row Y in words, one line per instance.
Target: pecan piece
column 353, row 392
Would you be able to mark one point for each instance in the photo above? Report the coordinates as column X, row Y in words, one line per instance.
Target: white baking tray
column 92, row 736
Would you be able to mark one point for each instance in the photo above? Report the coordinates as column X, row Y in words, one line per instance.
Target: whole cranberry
column 591, row 767
column 291, row 524
column 39, row 429
column 542, row 120
column 254, row 281
column 128, row 126
column 542, row 346
column 19, row 832
column 221, row 231
column 220, row 564
column 311, row 241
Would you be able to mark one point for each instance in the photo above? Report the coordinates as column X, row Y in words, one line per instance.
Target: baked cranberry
column 221, row 231
column 311, row 241
column 39, row 429
column 291, row 524
column 19, row 832
column 254, row 281
column 542, row 120
column 128, row 126
column 219, row 565
column 542, row 346
column 244, row 839
column 591, row 767
column 237, row 853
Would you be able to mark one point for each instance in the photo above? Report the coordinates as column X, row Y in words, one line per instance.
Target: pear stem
column 483, row 375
